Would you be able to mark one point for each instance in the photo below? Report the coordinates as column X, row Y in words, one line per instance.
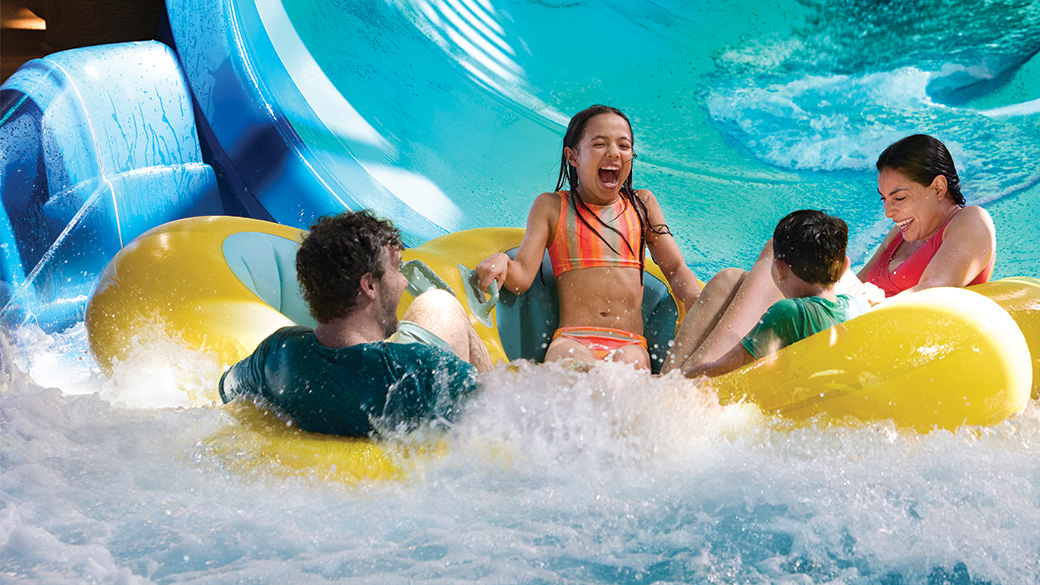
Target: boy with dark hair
column 809, row 259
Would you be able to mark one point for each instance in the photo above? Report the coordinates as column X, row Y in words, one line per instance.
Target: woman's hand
column 494, row 268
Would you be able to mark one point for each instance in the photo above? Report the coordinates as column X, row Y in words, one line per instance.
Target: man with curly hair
column 360, row 372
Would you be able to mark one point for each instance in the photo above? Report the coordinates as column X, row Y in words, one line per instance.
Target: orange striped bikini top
column 576, row 245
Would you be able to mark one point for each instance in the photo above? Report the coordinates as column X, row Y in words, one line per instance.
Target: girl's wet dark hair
column 813, row 244
column 569, row 178
column 334, row 256
column 922, row 158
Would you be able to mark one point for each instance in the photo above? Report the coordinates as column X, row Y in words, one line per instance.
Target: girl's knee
column 634, row 355
column 730, row 275
column 568, row 349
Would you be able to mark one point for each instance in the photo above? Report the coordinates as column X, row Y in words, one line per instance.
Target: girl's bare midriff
column 601, row 297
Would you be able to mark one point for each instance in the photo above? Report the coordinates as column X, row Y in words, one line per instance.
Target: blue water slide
column 448, row 114
column 380, row 118
column 96, row 146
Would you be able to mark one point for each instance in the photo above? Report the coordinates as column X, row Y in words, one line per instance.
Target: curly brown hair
column 334, row 256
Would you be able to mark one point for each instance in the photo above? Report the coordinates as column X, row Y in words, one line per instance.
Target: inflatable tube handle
column 422, row 278
column 480, row 303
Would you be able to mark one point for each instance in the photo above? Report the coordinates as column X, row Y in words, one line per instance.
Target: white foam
column 552, row 475
column 1029, row 108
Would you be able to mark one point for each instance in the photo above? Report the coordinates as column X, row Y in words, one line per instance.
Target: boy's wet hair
column 813, row 244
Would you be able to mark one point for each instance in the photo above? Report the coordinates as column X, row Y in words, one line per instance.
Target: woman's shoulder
column 971, row 219
column 972, row 226
column 974, row 212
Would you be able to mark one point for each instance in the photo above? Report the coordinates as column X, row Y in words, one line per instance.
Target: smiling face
column 602, row 158
column 917, row 210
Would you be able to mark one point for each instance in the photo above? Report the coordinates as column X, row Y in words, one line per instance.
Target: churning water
column 551, row 477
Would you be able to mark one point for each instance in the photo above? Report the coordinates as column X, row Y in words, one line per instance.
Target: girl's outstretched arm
column 516, row 275
column 667, row 255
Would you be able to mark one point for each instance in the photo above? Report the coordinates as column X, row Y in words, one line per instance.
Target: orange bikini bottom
column 600, row 340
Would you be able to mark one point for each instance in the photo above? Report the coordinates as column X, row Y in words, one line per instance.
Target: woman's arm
column 969, row 242
column 516, row 275
column 665, row 252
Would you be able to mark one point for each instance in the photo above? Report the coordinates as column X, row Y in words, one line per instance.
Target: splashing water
column 551, row 476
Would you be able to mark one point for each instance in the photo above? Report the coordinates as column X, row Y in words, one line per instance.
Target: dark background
column 34, row 28
column 22, row 36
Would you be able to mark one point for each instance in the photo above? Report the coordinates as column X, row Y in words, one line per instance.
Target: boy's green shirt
column 792, row 320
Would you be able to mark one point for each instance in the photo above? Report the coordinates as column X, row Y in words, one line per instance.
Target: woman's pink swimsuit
column 909, row 273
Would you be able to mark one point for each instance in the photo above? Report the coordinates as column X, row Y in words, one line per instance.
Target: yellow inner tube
column 223, row 284
column 940, row 358
column 937, row 359
column 259, row 440
column 1020, row 297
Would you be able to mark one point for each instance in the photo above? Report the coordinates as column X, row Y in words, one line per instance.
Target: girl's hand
column 491, row 269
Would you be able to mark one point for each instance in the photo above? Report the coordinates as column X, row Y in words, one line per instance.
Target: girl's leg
column 562, row 348
column 632, row 354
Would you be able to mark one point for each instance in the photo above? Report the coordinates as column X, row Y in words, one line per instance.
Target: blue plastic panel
column 97, row 146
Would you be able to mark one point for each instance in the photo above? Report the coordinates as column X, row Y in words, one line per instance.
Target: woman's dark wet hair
column 813, row 244
column 569, row 178
column 334, row 256
column 922, row 158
